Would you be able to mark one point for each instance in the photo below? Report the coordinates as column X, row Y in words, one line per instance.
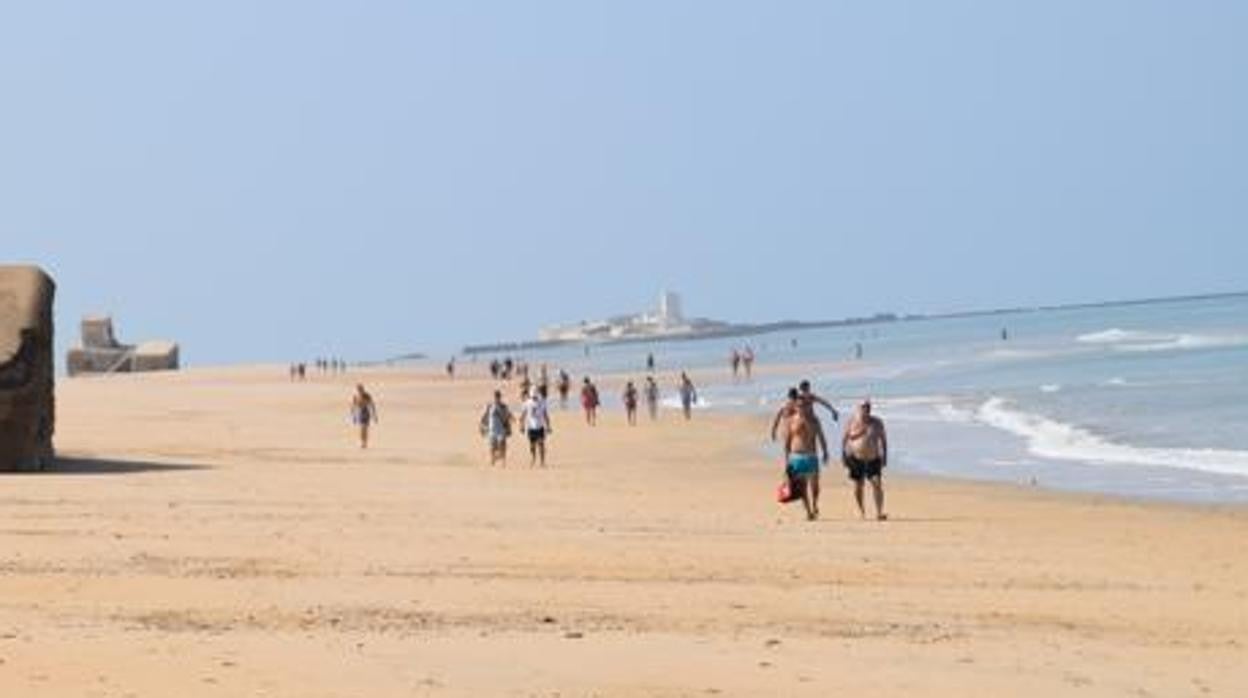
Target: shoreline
column 610, row 384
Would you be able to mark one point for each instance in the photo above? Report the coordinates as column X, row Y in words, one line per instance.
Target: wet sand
column 217, row 533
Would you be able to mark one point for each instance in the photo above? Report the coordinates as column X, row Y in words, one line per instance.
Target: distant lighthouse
column 669, row 309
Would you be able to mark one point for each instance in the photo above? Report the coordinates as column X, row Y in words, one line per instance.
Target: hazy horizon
column 270, row 182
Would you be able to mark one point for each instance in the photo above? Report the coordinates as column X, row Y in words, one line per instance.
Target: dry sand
column 220, row 535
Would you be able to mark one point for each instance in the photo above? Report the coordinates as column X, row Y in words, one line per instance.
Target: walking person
column 802, row 438
column 864, row 450
column 496, row 427
column 589, row 401
column 630, row 403
column 564, row 384
column 363, row 412
column 536, row 418
column 688, row 395
column 543, row 383
column 747, row 362
column 652, row 398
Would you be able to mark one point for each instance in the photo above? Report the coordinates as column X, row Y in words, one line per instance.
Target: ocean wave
column 673, row 403
column 1189, row 341
column 994, row 354
column 923, row 408
column 1052, row 439
column 1050, row 388
column 1136, row 341
column 1119, row 336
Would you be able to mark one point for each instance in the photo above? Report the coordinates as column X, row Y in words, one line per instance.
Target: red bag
column 791, row 489
column 783, row 493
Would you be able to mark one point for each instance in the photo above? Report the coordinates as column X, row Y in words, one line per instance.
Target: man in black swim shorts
column 536, row 418
column 864, row 449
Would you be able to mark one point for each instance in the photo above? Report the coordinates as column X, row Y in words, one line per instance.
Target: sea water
column 1146, row 399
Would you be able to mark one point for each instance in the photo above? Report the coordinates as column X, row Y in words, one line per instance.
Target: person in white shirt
column 536, row 420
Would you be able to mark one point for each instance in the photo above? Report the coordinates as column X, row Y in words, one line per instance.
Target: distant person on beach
column 802, row 398
column 496, row 427
column 858, row 350
column 543, row 383
column 652, row 397
column 650, row 363
column 1005, row 335
column 564, row 386
column 363, row 412
column 804, row 441
column 536, row 418
column 688, row 395
column 865, row 452
column 630, row 403
column 589, row 401
column 747, row 362
column 809, row 400
column 734, row 360
column 792, row 404
column 450, row 368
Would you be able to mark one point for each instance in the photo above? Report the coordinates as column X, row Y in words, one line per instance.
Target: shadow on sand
column 102, row 466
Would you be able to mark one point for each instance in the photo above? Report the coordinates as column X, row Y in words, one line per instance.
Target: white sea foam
column 1136, row 341
column 1119, row 336
column 924, row 408
column 1189, row 341
column 1018, row 354
column 1050, row 388
column 1052, row 439
column 673, row 403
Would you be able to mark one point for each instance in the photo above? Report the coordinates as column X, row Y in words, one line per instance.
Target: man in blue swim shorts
column 803, row 441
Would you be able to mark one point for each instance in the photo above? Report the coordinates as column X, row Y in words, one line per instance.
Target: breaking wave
column 1135, row 341
column 1052, row 439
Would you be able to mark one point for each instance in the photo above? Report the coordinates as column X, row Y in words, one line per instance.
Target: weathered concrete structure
column 100, row 352
column 27, row 409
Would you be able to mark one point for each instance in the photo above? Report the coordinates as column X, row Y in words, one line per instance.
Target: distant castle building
column 669, row 309
column 668, row 320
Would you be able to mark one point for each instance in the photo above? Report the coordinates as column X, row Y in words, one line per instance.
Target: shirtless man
column 804, row 400
column 803, row 460
column 363, row 412
column 864, row 449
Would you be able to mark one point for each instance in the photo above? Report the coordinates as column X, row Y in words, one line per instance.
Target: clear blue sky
column 269, row 180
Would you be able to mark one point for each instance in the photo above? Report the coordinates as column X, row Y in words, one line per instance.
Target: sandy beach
column 216, row 532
